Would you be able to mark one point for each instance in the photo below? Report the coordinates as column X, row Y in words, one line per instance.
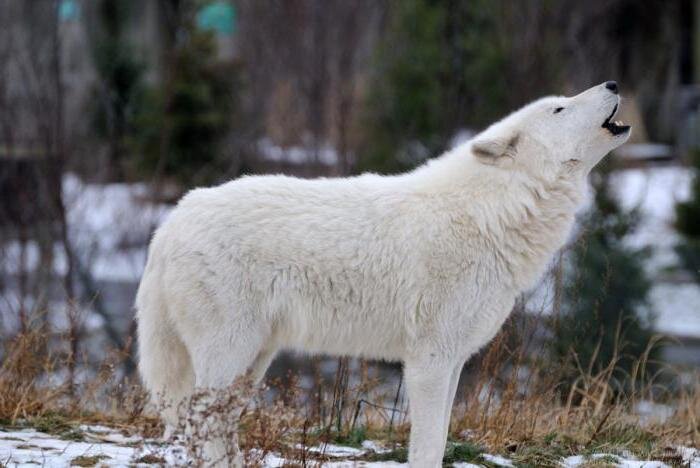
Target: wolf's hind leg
column 164, row 361
column 218, row 362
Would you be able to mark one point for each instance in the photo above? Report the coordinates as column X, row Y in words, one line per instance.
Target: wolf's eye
column 558, row 109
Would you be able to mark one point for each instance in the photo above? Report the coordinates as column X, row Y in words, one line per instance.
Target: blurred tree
column 405, row 101
column 606, row 288
column 688, row 224
column 180, row 123
column 306, row 63
column 119, row 75
column 444, row 65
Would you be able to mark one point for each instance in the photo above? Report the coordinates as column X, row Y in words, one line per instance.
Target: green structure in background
column 688, row 223
column 68, row 10
column 219, row 17
column 605, row 311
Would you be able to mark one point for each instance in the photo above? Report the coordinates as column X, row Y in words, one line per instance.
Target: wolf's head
column 555, row 134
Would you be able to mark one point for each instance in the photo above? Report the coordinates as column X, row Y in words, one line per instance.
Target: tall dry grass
column 513, row 400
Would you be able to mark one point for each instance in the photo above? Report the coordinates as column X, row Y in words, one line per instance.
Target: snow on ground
column 497, row 459
column 325, row 154
column 677, row 309
column 655, row 191
column 651, row 412
column 110, row 225
column 109, row 228
column 103, row 446
column 27, row 448
column 691, row 459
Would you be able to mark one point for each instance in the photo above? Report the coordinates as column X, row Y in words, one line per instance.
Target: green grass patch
column 606, row 460
column 151, row 459
column 74, row 434
column 87, row 461
column 455, row 453
column 58, row 425
column 546, row 452
column 27, row 447
column 50, row 423
column 464, row 452
column 620, row 437
column 539, row 455
column 352, row 438
column 398, row 455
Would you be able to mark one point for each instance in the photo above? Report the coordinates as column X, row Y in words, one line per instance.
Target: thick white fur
column 421, row 268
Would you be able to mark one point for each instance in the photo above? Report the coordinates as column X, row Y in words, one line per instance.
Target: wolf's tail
column 164, row 363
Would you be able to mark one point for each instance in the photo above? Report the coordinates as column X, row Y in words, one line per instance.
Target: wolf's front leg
column 428, row 386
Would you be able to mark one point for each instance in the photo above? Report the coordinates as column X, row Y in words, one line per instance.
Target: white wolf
column 421, row 268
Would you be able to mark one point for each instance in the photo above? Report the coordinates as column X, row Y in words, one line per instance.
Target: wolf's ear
column 491, row 150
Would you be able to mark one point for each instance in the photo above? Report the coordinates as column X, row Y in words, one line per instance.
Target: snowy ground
column 654, row 191
column 99, row 445
column 109, row 228
column 102, row 446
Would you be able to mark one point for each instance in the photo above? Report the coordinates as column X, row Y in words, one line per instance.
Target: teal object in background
column 68, row 10
column 218, row 16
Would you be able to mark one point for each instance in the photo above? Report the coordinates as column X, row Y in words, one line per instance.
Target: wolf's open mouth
column 617, row 127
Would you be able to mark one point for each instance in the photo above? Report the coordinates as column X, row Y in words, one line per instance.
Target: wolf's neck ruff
column 541, row 228
column 522, row 220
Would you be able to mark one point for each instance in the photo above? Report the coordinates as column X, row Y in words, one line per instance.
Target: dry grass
column 24, row 365
column 538, row 416
column 34, row 391
column 531, row 417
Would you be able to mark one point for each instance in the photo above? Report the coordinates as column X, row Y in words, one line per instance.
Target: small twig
column 600, row 425
column 395, row 409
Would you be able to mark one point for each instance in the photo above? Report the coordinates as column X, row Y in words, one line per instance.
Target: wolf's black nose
column 612, row 86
